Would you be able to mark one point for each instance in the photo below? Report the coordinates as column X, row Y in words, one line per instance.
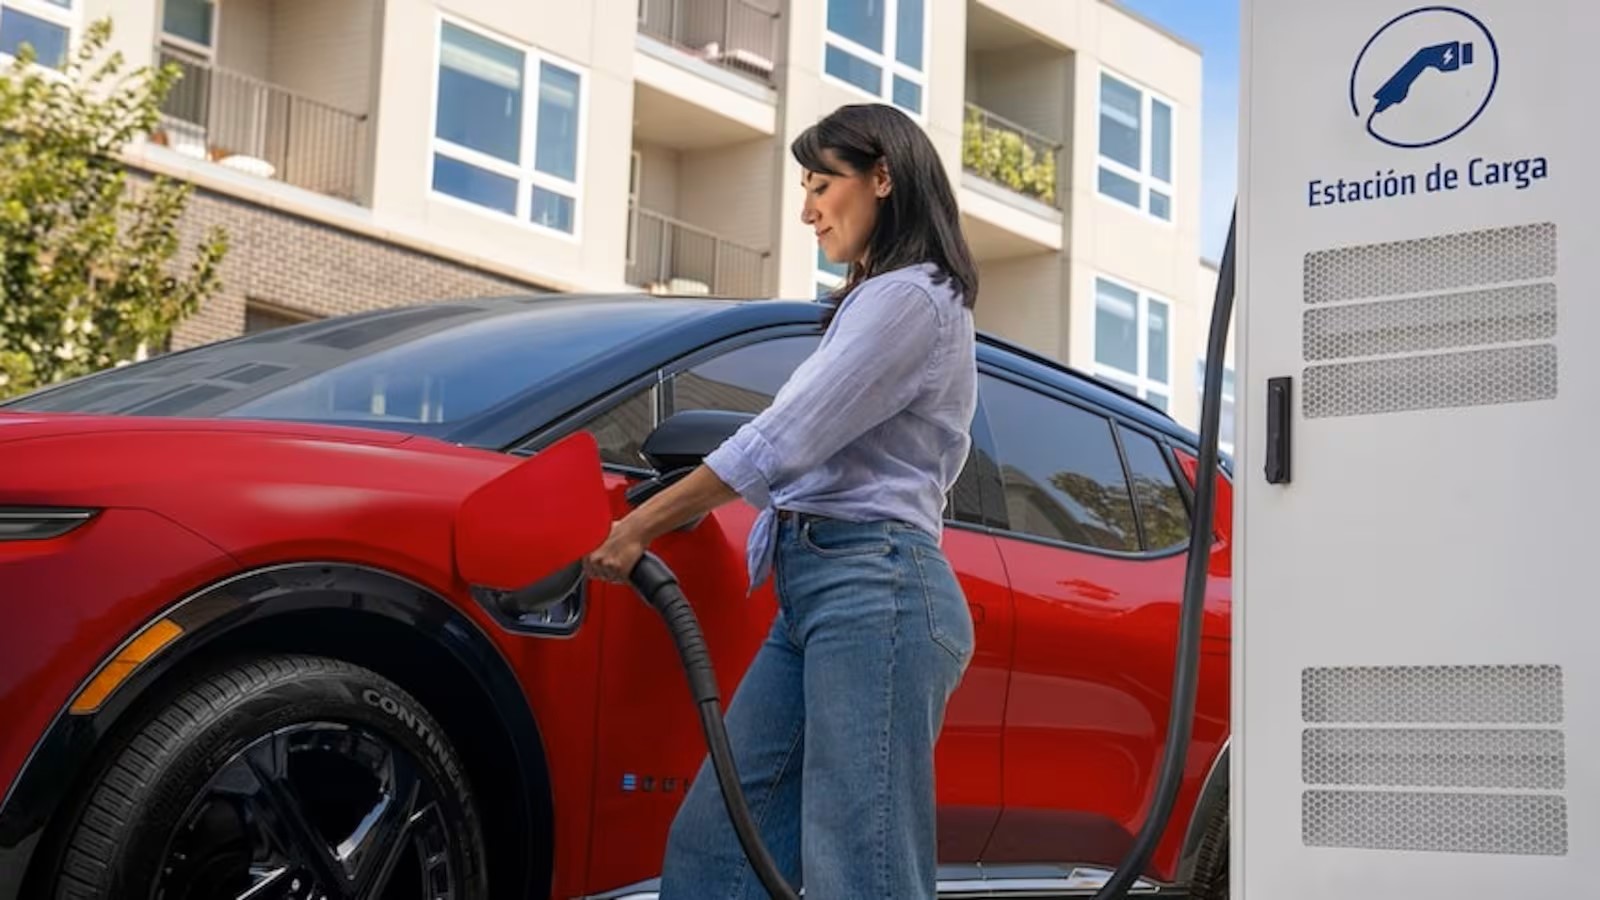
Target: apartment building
column 378, row 152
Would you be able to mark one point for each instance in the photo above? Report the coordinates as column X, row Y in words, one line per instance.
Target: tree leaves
column 89, row 276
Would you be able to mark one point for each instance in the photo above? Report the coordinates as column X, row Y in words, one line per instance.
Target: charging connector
column 1446, row 57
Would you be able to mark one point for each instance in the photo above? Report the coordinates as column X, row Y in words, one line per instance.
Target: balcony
column 704, row 73
column 670, row 256
column 1007, row 154
column 278, row 89
column 1016, row 172
column 252, row 126
column 735, row 35
column 1012, row 189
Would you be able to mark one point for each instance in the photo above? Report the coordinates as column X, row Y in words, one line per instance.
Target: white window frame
column 887, row 62
column 825, row 278
column 70, row 18
column 635, row 191
column 1140, row 381
column 524, row 171
column 206, row 51
column 1224, row 439
column 1141, row 176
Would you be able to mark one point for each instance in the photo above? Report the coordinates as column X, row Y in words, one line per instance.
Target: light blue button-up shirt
column 875, row 424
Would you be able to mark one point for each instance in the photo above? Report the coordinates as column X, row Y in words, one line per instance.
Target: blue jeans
column 834, row 724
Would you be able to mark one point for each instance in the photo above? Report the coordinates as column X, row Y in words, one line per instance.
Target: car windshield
column 413, row 369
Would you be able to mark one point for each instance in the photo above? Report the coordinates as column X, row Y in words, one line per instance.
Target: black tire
column 1211, row 862
column 258, row 770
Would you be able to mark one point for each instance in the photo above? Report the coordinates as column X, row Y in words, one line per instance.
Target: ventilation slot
column 1436, row 757
column 1392, row 354
column 1514, row 695
column 182, row 400
column 1353, row 769
column 1475, row 378
column 1446, row 823
column 1521, row 313
column 1446, row 262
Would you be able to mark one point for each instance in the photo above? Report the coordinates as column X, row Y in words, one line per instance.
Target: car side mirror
column 680, row 444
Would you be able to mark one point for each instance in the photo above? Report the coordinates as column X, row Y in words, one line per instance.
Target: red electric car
column 240, row 658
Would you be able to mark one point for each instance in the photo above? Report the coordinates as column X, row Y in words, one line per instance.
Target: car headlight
column 38, row 523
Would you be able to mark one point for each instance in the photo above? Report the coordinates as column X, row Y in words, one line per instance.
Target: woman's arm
column 696, row 494
column 872, row 368
column 874, row 365
column 692, row 496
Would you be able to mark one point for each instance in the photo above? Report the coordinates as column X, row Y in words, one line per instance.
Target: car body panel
column 1091, row 689
column 64, row 616
column 260, row 497
column 1065, row 701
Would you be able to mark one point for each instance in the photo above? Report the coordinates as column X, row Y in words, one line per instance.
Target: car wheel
column 286, row 777
column 1211, row 864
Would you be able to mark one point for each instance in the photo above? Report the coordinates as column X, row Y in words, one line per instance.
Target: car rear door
column 1096, row 562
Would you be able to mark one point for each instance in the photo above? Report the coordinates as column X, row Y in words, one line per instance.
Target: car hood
column 263, row 492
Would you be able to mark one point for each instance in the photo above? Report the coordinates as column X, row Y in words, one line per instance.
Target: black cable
column 659, row 588
column 1185, row 676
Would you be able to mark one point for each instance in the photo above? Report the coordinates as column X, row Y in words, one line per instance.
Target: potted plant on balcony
column 1007, row 157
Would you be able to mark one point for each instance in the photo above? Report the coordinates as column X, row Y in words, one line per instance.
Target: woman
column 850, row 466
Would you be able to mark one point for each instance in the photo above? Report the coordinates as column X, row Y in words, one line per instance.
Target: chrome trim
column 15, row 512
column 40, row 523
column 1036, row 880
column 1216, row 763
column 963, row 882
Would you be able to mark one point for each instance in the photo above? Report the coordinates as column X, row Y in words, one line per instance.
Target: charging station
column 1418, row 245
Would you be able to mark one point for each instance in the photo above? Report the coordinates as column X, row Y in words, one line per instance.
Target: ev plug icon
column 1444, row 57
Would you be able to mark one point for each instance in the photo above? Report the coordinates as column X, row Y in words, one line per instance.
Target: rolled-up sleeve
column 873, row 366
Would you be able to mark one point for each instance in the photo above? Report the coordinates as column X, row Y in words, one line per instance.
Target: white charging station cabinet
column 1417, row 617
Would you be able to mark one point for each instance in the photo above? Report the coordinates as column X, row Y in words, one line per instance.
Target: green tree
column 87, row 271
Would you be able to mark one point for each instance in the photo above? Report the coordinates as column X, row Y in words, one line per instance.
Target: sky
column 1214, row 26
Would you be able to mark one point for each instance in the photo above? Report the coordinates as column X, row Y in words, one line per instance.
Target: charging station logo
column 1424, row 76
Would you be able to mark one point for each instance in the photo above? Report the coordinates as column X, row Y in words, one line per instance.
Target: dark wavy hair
column 919, row 221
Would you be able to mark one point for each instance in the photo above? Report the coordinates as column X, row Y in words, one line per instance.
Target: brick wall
column 304, row 266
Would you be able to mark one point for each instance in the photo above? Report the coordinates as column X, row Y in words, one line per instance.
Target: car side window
column 741, row 380
column 620, row 430
column 744, row 379
column 1163, row 512
column 1060, row 469
column 964, row 502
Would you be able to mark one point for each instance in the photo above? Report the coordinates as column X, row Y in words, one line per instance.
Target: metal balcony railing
column 673, row 257
column 253, row 126
column 1009, row 154
column 739, row 35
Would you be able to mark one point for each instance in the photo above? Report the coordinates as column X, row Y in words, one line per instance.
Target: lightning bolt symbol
column 1448, row 56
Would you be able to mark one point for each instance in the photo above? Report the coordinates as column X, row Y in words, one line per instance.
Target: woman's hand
column 614, row 559
column 689, row 498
